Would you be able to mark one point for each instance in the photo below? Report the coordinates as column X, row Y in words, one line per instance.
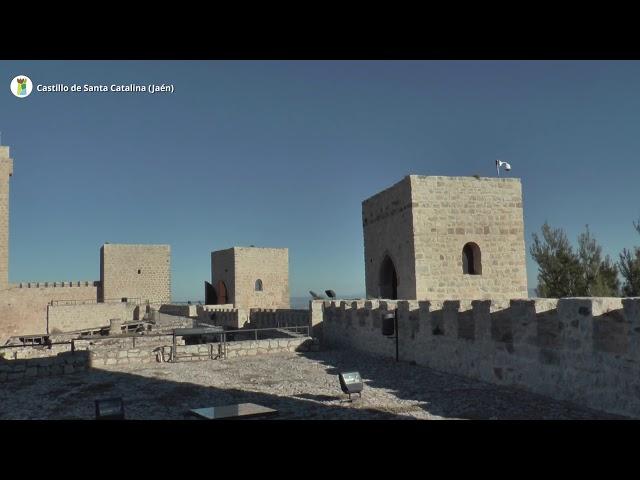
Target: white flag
column 500, row 163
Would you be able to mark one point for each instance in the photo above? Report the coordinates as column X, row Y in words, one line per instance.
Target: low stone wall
column 25, row 362
column 166, row 322
column 179, row 310
column 59, row 364
column 584, row 350
column 24, row 353
column 246, row 348
column 200, row 352
column 70, row 318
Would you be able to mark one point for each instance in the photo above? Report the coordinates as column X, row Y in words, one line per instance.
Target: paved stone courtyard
column 299, row 385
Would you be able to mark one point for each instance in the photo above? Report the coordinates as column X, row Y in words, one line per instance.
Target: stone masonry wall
column 23, row 307
column 271, row 265
column 223, row 269
column 240, row 267
column 223, row 316
column 447, row 213
column 34, row 362
column 136, row 271
column 69, row 318
column 422, row 224
column 6, row 171
column 583, row 350
column 180, row 310
column 388, row 231
column 59, row 364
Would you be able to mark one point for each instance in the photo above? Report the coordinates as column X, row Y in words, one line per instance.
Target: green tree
column 599, row 276
column 629, row 265
column 560, row 273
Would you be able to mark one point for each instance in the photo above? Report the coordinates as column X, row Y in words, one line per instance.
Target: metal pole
column 173, row 349
column 395, row 321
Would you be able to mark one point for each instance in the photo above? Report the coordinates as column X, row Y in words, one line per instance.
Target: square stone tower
column 135, row 271
column 440, row 238
column 6, row 170
column 251, row 277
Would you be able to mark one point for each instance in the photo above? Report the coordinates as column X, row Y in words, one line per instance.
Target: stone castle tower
column 441, row 238
column 249, row 277
column 6, row 170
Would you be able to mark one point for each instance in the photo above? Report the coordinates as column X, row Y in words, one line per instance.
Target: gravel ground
column 299, row 386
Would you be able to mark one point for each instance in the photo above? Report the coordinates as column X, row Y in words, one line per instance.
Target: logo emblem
column 21, row 86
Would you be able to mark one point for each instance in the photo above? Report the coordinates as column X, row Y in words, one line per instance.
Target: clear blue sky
column 283, row 153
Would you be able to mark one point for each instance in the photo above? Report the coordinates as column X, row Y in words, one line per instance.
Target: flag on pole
column 500, row 163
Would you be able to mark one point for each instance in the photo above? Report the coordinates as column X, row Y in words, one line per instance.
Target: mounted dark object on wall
column 315, row 295
column 350, row 383
column 388, row 324
column 330, row 293
column 390, row 328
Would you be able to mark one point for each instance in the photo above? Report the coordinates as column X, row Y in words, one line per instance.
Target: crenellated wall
column 223, row 315
column 23, row 307
column 583, row 350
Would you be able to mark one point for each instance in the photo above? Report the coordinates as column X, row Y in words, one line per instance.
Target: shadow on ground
column 393, row 391
column 451, row 396
column 72, row 397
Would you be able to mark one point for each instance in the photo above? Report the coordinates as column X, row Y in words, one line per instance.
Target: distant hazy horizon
column 303, row 302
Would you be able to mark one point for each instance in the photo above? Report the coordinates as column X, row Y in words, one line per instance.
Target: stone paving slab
column 299, row 385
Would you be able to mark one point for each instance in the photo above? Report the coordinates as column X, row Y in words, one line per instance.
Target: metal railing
column 222, row 338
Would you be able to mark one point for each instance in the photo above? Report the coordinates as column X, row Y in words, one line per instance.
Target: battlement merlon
column 6, row 162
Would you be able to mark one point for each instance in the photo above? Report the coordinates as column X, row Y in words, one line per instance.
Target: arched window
column 388, row 279
column 258, row 286
column 471, row 259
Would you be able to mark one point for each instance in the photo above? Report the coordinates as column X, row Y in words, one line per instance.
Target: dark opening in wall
column 139, row 271
column 258, row 286
column 388, row 279
column 471, row 259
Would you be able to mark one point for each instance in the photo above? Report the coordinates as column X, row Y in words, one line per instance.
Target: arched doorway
column 222, row 293
column 388, row 279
